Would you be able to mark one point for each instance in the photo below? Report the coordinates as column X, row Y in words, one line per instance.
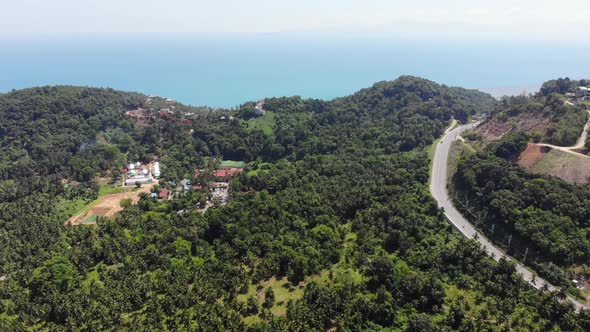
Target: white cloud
column 478, row 12
column 512, row 11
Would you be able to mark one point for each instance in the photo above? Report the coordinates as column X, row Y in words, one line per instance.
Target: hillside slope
column 336, row 232
column 548, row 116
column 515, row 190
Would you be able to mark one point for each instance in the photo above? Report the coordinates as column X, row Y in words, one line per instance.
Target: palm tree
column 561, row 294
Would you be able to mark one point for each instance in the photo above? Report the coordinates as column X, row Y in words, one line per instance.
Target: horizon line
column 303, row 35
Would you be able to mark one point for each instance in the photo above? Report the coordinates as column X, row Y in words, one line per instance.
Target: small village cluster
column 140, row 173
column 582, row 93
column 178, row 188
column 218, row 181
column 156, row 111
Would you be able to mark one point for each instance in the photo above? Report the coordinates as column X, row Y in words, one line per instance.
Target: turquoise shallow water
column 226, row 71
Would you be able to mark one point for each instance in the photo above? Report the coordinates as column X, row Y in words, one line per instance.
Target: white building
column 584, row 92
column 134, row 180
column 156, row 169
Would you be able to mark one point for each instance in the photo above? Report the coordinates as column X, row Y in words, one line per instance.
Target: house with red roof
column 164, row 193
column 226, row 173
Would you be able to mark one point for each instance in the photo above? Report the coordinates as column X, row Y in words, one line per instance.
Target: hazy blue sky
column 429, row 19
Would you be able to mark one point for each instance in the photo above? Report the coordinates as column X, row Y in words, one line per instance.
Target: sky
column 422, row 19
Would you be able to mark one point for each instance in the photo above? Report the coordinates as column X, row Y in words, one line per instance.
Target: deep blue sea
column 226, row 71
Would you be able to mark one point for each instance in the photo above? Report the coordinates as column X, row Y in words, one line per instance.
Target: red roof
column 187, row 121
column 198, row 187
column 228, row 172
column 164, row 193
column 164, row 116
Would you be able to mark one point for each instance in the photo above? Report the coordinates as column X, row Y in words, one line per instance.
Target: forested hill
column 409, row 95
column 556, row 114
column 390, row 116
column 54, row 133
column 330, row 226
column 415, row 110
column 42, row 129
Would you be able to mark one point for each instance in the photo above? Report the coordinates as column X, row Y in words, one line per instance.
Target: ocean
column 225, row 71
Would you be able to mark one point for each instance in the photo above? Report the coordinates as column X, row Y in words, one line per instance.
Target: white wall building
column 156, row 169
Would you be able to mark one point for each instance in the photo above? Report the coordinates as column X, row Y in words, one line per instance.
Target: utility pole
column 509, row 241
column 493, row 228
column 525, row 253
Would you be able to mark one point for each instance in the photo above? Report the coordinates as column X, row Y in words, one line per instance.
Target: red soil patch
column 494, row 129
column 110, row 205
column 532, row 155
column 569, row 167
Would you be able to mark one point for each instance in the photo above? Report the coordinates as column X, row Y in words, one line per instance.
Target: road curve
column 580, row 144
column 438, row 189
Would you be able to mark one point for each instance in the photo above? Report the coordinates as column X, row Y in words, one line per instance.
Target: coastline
column 499, row 92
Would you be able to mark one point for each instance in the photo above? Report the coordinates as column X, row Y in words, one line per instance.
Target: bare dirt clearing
column 494, row 129
column 532, row 155
column 108, row 205
column 567, row 166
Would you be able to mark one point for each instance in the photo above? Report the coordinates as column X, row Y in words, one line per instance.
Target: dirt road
column 580, row 144
column 109, row 205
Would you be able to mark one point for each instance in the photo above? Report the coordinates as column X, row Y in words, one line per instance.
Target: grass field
column 232, row 163
column 78, row 206
column 265, row 123
column 261, row 168
column 108, row 189
column 71, row 207
column 283, row 290
column 564, row 165
column 341, row 272
column 92, row 218
column 107, row 203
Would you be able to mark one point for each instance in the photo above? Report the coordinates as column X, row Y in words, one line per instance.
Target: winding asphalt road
column 438, row 188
